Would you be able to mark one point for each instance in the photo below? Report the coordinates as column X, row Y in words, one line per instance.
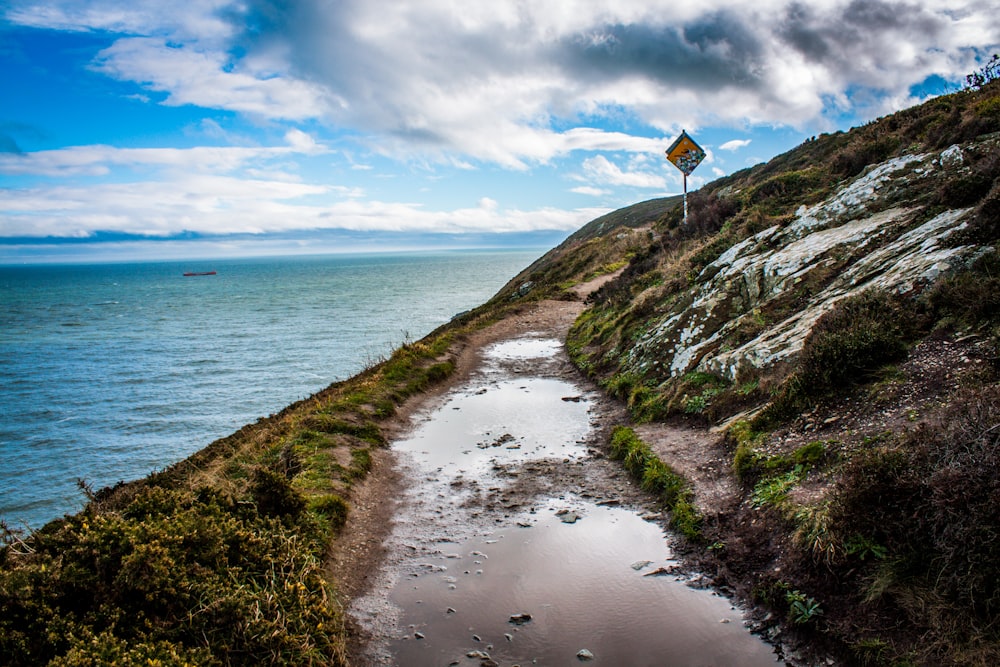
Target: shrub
column 985, row 74
column 860, row 334
column 176, row 576
column 846, row 345
column 929, row 504
column 274, row 495
column 864, row 151
column 971, row 297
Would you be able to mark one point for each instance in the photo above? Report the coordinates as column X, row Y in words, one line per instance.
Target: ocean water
column 109, row 372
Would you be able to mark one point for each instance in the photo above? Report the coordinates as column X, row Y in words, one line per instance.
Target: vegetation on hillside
column 220, row 559
column 879, row 544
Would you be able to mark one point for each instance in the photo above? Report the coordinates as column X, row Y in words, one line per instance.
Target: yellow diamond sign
column 685, row 153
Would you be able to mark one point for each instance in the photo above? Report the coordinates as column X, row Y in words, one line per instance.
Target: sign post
column 685, row 154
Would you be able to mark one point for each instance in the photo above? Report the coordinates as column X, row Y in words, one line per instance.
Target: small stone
column 584, row 654
column 509, row 637
column 571, row 517
column 482, row 655
column 418, row 635
column 477, row 638
column 520, row 619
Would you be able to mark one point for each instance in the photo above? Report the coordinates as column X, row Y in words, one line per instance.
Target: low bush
column 176, row 577
column 929, row 505
column 846, row 345
column 330, row 508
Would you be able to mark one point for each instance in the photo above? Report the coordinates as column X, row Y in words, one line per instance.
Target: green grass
column 658, row 478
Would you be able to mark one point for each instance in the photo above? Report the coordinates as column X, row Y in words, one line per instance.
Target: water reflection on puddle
column 586, row 585
column 524, row 348
column 513, row 420
column 582, row 570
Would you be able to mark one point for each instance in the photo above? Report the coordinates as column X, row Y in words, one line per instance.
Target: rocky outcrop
column 872, row 232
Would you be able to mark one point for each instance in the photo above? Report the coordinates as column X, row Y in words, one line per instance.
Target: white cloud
column 735, row 144
column 98, row 160
column 209, row 78
column 442, row 86
column 601, row 170
column 492, row 81
column 591, row 191
column 212, row 204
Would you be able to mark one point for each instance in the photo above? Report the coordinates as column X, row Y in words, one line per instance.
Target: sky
column 142, row 129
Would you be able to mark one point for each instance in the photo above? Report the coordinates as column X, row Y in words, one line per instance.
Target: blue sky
column 208, row 128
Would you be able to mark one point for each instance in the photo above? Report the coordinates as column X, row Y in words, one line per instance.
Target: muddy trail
column 514, row 541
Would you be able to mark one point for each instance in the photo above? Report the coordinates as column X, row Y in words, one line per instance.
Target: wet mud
column 517, row 542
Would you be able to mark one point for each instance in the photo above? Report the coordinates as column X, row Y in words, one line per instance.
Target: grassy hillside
column 877, row 539
column 834, row 313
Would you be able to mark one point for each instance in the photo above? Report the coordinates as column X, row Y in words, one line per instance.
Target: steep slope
column 834, row 313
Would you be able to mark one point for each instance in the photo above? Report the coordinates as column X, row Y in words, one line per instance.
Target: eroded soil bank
column 504, row 505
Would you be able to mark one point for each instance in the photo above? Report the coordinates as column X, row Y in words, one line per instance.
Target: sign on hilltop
column 686, row 155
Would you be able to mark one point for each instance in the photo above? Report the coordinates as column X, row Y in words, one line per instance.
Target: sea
column 109, row 372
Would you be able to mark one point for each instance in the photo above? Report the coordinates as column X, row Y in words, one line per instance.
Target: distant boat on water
column 199, row 273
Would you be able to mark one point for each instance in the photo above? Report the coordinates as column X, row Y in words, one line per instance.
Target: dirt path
column 364, row 548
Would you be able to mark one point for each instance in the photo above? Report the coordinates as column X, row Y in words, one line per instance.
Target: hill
column 831, row 316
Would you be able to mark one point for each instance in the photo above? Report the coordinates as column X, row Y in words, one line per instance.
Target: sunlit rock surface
column 856, row 239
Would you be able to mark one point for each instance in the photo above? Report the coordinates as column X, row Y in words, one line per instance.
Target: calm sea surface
column 109, row 372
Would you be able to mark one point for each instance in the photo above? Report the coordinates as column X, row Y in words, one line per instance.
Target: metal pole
column 685, row 198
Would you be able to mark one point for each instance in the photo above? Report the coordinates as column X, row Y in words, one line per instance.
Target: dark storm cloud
column 436, row 75
column 712, row 52
column 863, row 31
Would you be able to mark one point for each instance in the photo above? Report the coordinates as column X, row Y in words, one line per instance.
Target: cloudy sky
column 141, row 128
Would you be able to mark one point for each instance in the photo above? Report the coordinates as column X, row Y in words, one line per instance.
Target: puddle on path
column 509, row 514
